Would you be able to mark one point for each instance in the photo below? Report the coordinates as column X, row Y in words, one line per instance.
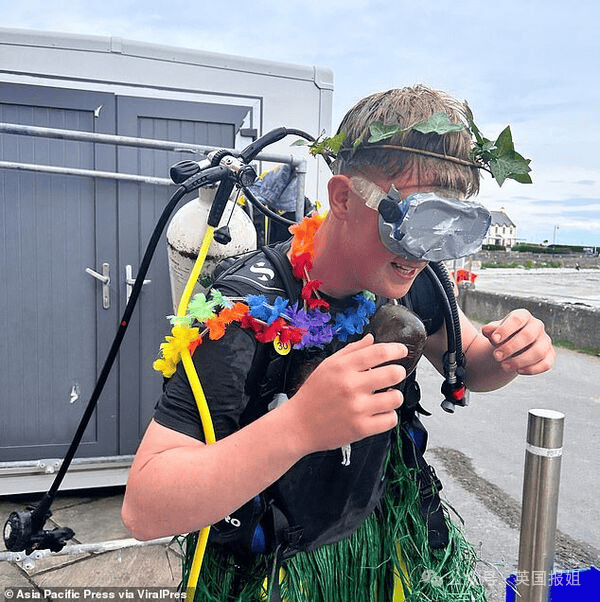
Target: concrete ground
column 94, row 515
column 558, row 285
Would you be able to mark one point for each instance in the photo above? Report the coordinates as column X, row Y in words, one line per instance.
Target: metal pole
column 80, row 136
column 301, row 173
column 89, row 173
column 540, row 504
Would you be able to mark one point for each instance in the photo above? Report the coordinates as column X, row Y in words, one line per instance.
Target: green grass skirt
column 361, row 567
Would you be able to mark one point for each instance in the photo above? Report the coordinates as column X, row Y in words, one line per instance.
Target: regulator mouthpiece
column 23, row 531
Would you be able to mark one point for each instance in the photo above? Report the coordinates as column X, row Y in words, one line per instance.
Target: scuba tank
column 235, row 235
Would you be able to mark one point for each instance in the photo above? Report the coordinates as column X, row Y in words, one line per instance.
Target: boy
column 319, row 462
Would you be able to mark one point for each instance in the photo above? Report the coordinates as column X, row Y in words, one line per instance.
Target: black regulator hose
column 24, row 530
column 250, row 152
column 453, row 388
column 454, row 333
column 260, row 206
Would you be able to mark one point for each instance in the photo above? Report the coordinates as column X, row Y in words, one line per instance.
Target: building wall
column 56, row 227
column 280, row 94
column 501, row 235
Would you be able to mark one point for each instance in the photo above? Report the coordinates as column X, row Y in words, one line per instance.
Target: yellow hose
column 207, row 425
column 196, row 386
column 398, row 595
column 195, row 273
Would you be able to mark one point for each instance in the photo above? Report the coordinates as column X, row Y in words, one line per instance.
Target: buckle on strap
column 429, row 483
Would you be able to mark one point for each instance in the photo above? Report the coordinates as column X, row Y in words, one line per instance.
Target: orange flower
column 304, row 235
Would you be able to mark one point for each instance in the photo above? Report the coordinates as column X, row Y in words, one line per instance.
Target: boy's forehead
column 408, row 178
column 412, row 180
column 374, row 188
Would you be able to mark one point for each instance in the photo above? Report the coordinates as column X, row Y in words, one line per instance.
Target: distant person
column 330, row 484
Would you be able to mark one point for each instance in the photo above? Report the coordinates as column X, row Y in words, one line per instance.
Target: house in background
column 502, row 232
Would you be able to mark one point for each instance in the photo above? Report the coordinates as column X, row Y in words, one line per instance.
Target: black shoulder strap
column 430, row 504
column 268, row 372
column 278, row 259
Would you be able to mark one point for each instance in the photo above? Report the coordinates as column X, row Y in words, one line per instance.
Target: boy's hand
column 521, row 343
column 349, row 396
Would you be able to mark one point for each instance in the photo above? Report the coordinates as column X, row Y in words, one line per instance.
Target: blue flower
column 366, row 307
column 258, row 307
column 261, row 310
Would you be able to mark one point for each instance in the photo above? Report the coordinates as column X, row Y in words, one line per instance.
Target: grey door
column 52, row 227
column 56, row 326
column 197, row 123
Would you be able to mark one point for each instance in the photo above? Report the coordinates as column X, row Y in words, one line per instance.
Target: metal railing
column 298, row 163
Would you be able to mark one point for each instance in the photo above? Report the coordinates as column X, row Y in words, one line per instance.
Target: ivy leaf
column 334, row 144
column 323, row 146
column 521, row 175
column 483, row 150
column 487, row 146
column 438, row 123
column 522, row 178
column 358, row 141
column 504, row 142
column 381, row 132
column 472, row 127
column 506, row 162
column 510, row 165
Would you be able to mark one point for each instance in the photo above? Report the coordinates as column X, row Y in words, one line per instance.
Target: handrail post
column 540, row 504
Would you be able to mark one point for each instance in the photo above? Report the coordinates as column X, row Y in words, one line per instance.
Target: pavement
column 557, row 285
column 94, row 516
column 101, row 555
column 479, row 454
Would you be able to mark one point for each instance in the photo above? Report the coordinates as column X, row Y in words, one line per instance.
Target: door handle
column 130, row 280
column 105, row 279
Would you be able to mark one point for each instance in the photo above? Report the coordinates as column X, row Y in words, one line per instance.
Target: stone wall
column 573, row 323
column 566, row 261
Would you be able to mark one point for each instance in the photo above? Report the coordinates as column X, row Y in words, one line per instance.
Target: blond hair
column 406, row 107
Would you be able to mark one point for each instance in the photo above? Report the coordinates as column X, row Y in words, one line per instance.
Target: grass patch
column 573, row 347
column 527, row 265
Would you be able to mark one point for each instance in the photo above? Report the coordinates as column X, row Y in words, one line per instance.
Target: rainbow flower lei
column 309, row 325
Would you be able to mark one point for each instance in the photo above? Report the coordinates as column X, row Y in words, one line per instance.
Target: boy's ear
column 338, row 188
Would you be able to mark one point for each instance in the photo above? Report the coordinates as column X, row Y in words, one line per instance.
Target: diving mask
column 424, row 225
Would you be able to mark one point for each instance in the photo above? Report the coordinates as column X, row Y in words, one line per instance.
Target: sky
column 530, row 64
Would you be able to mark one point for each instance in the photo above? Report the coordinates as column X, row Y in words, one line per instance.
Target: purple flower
column 319, row 326
column 314, row 321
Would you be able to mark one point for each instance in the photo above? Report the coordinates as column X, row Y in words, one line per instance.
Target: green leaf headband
column 499, row 158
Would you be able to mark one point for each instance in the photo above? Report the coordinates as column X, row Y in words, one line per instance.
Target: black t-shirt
column 321, row 498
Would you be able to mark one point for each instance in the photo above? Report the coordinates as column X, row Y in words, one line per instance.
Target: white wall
column 280, row 94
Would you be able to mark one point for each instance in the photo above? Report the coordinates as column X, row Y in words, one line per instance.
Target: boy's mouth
column 406, row 269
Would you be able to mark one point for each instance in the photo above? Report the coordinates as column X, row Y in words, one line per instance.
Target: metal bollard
column 540, row 504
